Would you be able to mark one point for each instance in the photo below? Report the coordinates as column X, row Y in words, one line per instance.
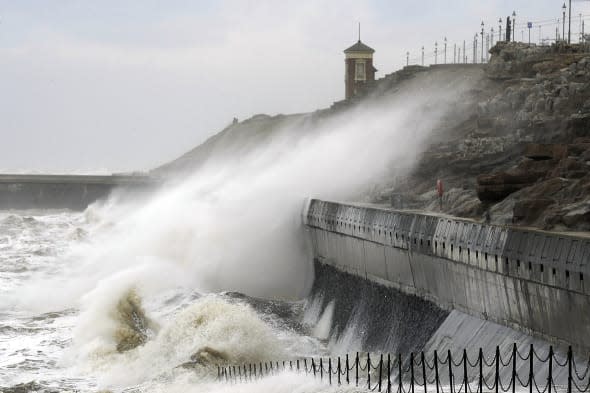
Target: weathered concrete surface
column 64, row 191
column 532, row 281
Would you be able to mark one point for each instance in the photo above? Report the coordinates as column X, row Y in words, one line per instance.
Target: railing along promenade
column 529, row 371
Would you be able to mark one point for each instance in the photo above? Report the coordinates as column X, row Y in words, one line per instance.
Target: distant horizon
column 128, row 86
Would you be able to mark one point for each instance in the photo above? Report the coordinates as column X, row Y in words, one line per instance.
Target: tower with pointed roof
column 359, row 67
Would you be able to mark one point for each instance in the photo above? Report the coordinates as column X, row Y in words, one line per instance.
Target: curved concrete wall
column 534, row 281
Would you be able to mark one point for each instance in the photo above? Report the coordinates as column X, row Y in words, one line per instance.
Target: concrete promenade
column 532, row 281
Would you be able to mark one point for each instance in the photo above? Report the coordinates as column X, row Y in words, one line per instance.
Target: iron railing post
column 423, row 371
column 347, row 371
column 436, row 378
column 399, row 374
column 388, row 373
column 380, row 370
column 550, row 379
column 465, row 378
column 480, row 370
column 369, row 370
column 412, row 372
column 531, row 374
column 569, row 369
column 450, row 359
column 497, row 378
column 514, row 368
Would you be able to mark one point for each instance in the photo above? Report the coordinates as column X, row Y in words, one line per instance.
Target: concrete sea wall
column 533, row 281
column 63, row 191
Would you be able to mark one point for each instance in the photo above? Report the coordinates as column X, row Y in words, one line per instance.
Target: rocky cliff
column 517, row 151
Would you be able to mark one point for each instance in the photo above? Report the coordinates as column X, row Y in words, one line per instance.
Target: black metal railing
column 442, row 374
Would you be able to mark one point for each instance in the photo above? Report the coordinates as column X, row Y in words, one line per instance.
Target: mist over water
column 233, row 225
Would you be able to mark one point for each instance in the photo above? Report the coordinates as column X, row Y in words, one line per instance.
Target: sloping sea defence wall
column 74, row 192
column 532, row 281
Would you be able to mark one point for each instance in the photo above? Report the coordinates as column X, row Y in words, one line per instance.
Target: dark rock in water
column 134, row 324
column 205, row 357
column 28, row 387
column 288, row 314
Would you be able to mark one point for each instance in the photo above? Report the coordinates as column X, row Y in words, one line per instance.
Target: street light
column 514, row 26
column 500, row 31
column 492, row 36
column 569, row 29
column 482, row 53
column 563, row 29
column 407, row 59
column 436, row 52
column 422, row 56
column 445, row 50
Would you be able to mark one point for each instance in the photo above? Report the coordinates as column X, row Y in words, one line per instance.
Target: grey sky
column 117, row 85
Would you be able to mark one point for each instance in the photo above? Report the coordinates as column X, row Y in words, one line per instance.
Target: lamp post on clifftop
column 563, row 30
column 445, row 50
column 514, row 26
column 436, row 52
column 482, row 52
column 500, row 31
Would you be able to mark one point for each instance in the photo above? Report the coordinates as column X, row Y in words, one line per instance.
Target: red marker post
column 440, row 191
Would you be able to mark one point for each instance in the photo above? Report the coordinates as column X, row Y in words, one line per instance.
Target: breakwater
column 528, row 280
column 64, row 191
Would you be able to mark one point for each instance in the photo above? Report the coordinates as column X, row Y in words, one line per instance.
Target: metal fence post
column 550, row 379
column 347, row 371
column 339, row 370
column 399, row 374
column 321, row 370
column 388, row 373
column 497, row 378
column 369, row 370
column 356, row 366
column 465, row 378
column 412, row 372
column 514, row 368
column 569, row 369
column 380, row 370
column 450, row 359
column 480, row 370
column 531, row 375
column 423, row 371
column 436, row 379
column 330, row 371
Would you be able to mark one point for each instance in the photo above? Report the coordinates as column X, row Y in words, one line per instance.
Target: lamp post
column 569, row 29
column 436, row 52
column 563, row 29
column 445, row 50
column 475, row 48
column 407, row 59
column 454, row 53
column 500, row 31
column 492, row 37
column 482, row 52
column 514, row 26
column 464, row 52
column 422, row 56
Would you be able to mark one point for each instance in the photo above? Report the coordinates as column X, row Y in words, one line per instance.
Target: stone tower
column 358, row 67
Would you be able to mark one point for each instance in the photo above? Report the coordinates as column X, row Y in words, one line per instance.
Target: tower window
column 360, row 74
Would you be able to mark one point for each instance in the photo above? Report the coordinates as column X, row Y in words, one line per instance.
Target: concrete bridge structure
column 533, row 281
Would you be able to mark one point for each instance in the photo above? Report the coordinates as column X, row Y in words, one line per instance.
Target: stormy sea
column 150, row 293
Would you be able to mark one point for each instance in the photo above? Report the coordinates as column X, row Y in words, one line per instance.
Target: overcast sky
column 116, row 85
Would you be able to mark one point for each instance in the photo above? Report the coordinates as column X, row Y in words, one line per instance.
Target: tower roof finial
column 359, row 31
